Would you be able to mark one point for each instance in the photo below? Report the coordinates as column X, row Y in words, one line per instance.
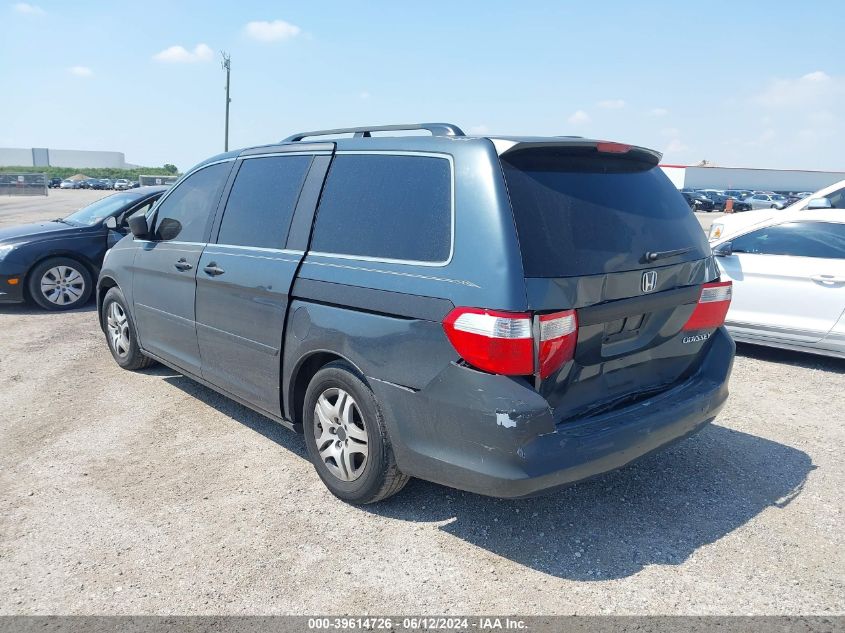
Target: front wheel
column 60, row 283
column 346, row 437
column 120, row 332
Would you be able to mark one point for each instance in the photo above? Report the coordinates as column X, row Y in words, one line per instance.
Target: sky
column 750, row 84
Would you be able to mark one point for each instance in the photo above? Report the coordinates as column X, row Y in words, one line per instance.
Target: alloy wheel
column 62, row 285
column 118, row 327
column 341, row 434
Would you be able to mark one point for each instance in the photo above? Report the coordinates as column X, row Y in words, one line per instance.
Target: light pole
column 227, row 67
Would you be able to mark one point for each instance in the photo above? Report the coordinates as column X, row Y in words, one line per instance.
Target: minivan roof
column 441, row 134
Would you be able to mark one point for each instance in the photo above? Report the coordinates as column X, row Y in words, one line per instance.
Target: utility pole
column 227, row 67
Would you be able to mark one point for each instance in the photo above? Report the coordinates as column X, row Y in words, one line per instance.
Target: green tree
column 170, row 168
column 91, row 172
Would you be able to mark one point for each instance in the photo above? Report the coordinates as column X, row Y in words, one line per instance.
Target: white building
column 783, row 180
column 43, row 157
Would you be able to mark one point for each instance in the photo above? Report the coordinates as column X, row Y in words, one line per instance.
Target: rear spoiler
column 511, row 147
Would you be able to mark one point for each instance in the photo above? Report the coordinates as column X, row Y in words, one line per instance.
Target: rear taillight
column 608, row 147
column 712, row 307
column 503, row 342
column 558, row 334
column 498, row 342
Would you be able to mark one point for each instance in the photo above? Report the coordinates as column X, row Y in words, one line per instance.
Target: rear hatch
column 603, row 231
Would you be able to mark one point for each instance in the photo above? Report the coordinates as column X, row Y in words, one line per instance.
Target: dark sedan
column 55, row 263
column 698, row 201
column 93, row 183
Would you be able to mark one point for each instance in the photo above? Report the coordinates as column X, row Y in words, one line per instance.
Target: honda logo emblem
column 649, row 281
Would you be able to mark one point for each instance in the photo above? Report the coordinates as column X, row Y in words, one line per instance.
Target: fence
column 23, row 184
column 145, row 180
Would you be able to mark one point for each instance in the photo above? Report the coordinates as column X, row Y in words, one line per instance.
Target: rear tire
column 121, row 336
column 60, row 283
column 346, row 437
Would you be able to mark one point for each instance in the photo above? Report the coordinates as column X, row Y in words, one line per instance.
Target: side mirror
column 138, row 226
column 723, row 250
column 111, row 222
column 819, row 203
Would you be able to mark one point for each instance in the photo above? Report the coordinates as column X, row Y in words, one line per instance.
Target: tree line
column 94, row 172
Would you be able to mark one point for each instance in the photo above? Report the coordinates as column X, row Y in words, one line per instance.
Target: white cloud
column 675, row 146
column 80, row 71
column 816, row 87
column 364, row 95
column 658, row 112
column 181, row 55
column 579, row 117
column 271, row 31
column 818, row 75
column 479, row 129
column 28, row 9
column 611, row 104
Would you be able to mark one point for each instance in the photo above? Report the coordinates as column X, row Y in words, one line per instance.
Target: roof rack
column 436, row 129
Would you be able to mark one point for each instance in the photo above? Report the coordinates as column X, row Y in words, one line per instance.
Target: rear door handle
column 213, row 269
column 183, row 265
column 828, row 279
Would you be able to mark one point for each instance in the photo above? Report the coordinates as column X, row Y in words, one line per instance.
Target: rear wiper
column 653, row 256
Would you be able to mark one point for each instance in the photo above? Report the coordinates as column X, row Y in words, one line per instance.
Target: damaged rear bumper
column 496, row 436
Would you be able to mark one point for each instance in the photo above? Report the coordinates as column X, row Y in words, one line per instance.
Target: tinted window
column 185, row 213
column 390, row 207
column 141, row 210
column 582, row 213
column 262, row 201
column 799, row 239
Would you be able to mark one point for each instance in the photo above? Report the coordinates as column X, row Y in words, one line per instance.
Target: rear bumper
column 496, row 436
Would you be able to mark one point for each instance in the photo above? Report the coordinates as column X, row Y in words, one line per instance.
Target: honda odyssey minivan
column 504, row 315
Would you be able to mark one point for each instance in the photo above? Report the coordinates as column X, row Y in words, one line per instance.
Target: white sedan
column 788, row 273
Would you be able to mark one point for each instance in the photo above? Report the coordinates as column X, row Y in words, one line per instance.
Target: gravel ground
column 128, row 493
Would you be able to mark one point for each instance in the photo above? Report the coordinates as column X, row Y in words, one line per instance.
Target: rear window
column 579, row 213
column 386, row 206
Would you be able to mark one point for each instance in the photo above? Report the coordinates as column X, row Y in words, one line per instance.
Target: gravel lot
column 126, row 493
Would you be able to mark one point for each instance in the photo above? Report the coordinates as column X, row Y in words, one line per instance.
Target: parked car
column 54, row 183
column 766, row 201
column 738, row 196
column 93, row 183
column 121, row 184
column 717, row 196
column 107, row 183
column 832, row 197
column 70, row 184
column 698, row 201
column 504, row 316
column 55, row 264
column 789, row 282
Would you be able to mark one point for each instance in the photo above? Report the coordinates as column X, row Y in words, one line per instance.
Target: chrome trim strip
column 260, row 249
column 393, row 272
column 322, row 152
